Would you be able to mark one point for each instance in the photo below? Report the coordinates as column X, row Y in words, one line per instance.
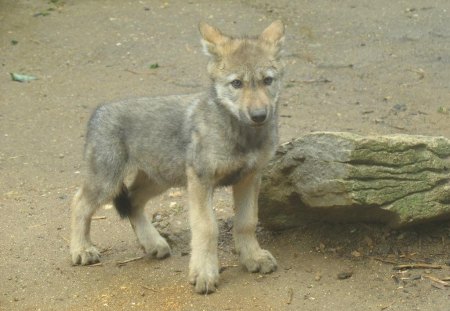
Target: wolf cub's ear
column 212, row 39
column 274, row 35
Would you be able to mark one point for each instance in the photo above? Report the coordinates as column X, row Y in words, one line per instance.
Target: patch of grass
column 443, row 110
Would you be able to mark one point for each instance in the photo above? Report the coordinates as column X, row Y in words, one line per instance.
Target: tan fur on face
column 227, row 52
column 250, row 60
column 254, row 98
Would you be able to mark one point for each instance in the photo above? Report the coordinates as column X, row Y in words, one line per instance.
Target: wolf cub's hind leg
column 141, row 190
column 82, row 250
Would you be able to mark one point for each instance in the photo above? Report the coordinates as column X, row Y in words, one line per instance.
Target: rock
column 396, row 179
column 344, row 275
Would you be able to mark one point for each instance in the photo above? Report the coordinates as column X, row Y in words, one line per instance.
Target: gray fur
column 201, row 141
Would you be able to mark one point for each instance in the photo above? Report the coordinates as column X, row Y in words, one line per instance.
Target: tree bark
column 396, row 179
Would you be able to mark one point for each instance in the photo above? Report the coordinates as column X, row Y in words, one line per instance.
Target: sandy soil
column 369, row 67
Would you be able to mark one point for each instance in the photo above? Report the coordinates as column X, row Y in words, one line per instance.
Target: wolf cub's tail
column 122, row 202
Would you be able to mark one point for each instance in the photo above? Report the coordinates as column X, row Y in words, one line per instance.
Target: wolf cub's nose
column 258, row 115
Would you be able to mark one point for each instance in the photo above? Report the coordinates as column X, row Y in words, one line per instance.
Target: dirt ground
column 368, row 67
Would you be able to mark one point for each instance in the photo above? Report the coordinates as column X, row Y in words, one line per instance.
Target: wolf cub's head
column 246, row 72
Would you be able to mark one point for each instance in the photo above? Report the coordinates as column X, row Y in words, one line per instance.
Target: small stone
column 175, row 194
column 157, row 218
column 173, row 204
column 344, row 275
column 356, row 254
column 318, row 277
column 400, row 107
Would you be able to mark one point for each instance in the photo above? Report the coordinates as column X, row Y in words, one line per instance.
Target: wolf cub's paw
column 160, row 250
column 261, row 261
column 205, row 280
column 85, row 256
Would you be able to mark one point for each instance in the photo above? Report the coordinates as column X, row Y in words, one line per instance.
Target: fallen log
column 395, row 179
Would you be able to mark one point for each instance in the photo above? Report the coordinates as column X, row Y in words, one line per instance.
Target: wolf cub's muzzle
column 258, row 116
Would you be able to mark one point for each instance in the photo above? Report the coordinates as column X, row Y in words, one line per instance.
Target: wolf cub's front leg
column 204, row 264
column 245, row 194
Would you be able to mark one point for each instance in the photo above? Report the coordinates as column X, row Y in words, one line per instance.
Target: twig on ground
column 122, row 263
column 416, row 266
column 290, row 295
column 98, row 217
column 401, row 266
column 321, row 80
column 65, row 239
column 435, row 279
column 105, row 250
column 150, row 288
column 388, row 306
column 223, row 268
column 139, row 72
column 385, row 260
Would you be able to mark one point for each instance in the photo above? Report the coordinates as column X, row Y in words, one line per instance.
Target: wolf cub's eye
column 268, row 80
column 237, row 84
